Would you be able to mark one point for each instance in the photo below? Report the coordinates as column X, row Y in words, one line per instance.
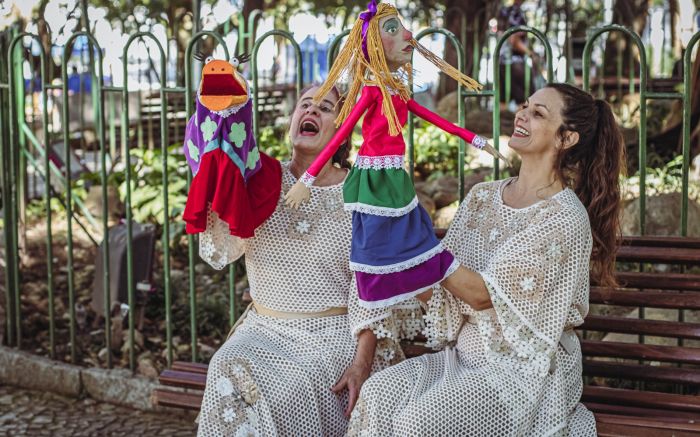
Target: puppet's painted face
column 222, row 86
column 395, row 41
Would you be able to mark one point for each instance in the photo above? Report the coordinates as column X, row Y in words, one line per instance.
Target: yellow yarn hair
column 351, row 59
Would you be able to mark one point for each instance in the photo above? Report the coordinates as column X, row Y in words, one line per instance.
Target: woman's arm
column 469, row 287
column 358, row 372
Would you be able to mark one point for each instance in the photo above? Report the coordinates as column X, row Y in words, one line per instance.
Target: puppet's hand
column 298, row 194
column 480, row 143
column 488, row 148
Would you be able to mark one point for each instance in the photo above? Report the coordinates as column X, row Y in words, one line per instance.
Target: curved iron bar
column 47, row 195
column 68, row 49
column 254, row 69
column 497, row 80
column 190, row 237
column 587, row 50
column 460, row 106
column 334, row 48
column 166, row 218
column 687, row 62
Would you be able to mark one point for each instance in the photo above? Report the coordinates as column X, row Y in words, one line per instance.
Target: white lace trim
column 364, row 162
column 382, row 210
column 397, row 267
column 405, row 296
column 307, row 179
column 479, row 142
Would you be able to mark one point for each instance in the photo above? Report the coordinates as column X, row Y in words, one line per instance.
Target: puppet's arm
column 299, row 193
column 451, row 128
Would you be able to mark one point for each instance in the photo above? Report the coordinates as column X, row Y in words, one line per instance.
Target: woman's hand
column 298, row 194
column 352, row 380
column 358, row 372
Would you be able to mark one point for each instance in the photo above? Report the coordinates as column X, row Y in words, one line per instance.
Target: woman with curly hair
column 529, row 244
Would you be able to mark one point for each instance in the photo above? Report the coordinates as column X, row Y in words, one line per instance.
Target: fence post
column 6, row 190
column 166, row 219
column 687, row 62
column 99, row 118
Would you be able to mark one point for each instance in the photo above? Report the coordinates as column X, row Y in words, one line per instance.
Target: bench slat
column 660, row 255
column 660, row 281
column 609, row 425
column 634, row 298
column 639, row 372
column 651, row 413
column 411, row 350
column 627, row 325
column 661, row 241
column 642, row 399
column 185, row 366
column 168, row 398
column 177, row 378
column 614, row 349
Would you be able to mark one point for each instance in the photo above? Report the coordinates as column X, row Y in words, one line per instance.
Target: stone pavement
column 33, row 413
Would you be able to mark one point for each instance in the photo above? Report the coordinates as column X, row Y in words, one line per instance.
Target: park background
column 97, row 93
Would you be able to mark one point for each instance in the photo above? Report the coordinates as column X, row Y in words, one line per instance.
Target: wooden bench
column 631, row 403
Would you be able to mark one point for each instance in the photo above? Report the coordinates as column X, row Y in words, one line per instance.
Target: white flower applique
column 301, row 225
column 381, row 332
column 224, row 386
column 528, row 283
column 229, row 415
column 483, row 195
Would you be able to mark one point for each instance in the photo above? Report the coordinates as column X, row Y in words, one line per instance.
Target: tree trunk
column 669, row 143
column 477, row 13
column 248, row 7
column 631, row 14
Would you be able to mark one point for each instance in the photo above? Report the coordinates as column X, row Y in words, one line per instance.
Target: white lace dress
column 273, row 376
column 515, row 369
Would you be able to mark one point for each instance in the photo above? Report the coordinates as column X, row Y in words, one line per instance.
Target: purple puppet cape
column 230, row 130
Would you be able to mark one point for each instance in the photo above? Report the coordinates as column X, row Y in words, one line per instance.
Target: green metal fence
column 19, row 147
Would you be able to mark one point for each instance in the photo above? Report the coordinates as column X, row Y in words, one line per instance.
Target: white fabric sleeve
column 217, row 247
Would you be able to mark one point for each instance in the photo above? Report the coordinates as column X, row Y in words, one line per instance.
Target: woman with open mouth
column 291, row 365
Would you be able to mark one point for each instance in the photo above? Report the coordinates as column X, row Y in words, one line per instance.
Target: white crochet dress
column 509, row 373
column 273, row 376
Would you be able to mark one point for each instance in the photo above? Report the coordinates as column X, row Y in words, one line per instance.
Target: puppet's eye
column 234, row 61
column 208, row 60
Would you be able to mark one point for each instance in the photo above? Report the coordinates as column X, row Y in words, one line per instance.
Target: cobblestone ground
column 32, row 413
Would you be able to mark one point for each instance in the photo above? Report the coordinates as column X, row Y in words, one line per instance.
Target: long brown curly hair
column 592, row 168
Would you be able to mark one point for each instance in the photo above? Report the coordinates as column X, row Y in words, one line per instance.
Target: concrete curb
column 114, row 386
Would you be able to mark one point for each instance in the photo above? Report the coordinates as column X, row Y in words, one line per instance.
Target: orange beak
column 221, row 86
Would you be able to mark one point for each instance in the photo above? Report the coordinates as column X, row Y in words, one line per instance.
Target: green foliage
column 664, row 179
column 436, row 151
column 274, row 141
column 36, row 208
column 147, row 184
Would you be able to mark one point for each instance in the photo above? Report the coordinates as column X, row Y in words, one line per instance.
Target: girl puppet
column 394, row 253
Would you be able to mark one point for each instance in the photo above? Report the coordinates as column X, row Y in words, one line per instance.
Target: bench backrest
column 652, row 307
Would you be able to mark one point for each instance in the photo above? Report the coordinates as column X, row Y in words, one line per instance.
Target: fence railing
column 17, row 136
